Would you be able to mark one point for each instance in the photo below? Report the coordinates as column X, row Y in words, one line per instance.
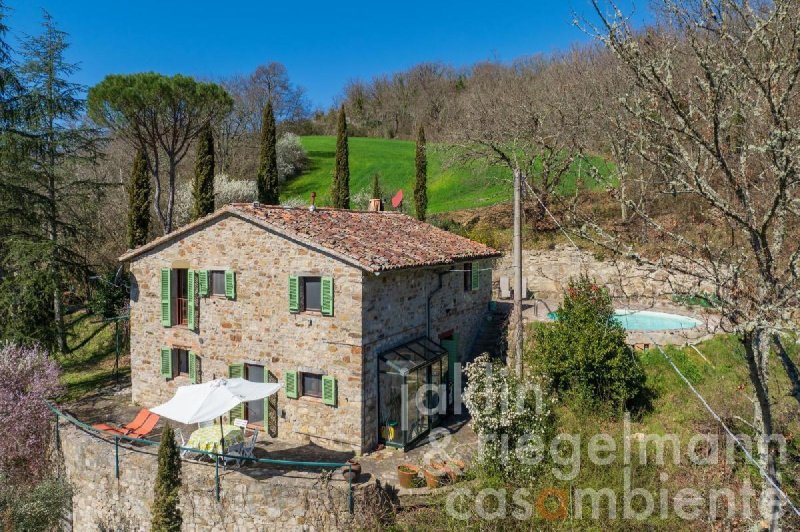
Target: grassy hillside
column 448, row 189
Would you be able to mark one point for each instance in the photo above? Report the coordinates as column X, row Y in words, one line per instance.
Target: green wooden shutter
column 202, row 277
column 236, row 371
column 166, row 297
column 327, row 296
column 328, row 390
column 476, row 276
column 192, row 367
column 230, row 284
column 291, row 384
column 294, row 293
column 166, row 362
column 191, row 314
column 452, row 356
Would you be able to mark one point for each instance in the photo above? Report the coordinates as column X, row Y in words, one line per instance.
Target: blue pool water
column 646, row 320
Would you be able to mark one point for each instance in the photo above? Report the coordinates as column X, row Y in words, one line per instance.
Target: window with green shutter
column 166, row 297
column 191, row 306
column 294, row 293
column 291, row 384
column 476, row 276
column 166, row 362
column 202, row 281
column 230, row 284
column 327, row 296
column 328, row 390
column 194, row 368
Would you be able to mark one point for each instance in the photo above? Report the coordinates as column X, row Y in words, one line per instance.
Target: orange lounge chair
column 137, row 422
column 147, row 427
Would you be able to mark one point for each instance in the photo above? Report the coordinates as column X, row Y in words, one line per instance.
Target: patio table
column 208, row 438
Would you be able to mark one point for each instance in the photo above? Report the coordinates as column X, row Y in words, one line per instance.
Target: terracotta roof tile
column 375, row 241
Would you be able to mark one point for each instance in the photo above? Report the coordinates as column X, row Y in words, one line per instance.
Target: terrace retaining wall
column 548, row 272
column 251, row 498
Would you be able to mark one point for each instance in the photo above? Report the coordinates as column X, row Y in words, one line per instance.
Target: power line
column 746, row 452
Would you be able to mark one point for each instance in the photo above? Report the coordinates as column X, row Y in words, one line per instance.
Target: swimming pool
column 647, row 320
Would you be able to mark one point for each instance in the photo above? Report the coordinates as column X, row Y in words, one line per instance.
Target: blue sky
column 323, row 44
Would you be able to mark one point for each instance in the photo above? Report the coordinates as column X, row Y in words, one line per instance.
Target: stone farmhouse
column 352, row 311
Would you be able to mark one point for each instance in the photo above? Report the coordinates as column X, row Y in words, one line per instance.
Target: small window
column 312, row 384
column 468, row 276
column 312, row 293
column 180, row 362
column 217, row 280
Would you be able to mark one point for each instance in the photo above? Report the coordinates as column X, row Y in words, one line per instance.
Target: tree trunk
column 756, row 344
column 170, row 195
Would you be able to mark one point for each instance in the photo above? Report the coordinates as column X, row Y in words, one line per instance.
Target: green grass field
column 448, row 189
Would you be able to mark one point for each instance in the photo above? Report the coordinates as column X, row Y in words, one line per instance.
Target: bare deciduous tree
column 712, row 113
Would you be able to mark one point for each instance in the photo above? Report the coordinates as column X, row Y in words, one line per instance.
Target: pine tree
column 203, row 186
column 47, row 251
column 165, row 514
column 268, row 184
column 340, row 192
column 421, row 183
column 139, row 191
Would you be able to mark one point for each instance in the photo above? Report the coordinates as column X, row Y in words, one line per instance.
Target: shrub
column 292, row 157
column 584, row 351
column 508, row 415
column 39, row 506
column 27, row 377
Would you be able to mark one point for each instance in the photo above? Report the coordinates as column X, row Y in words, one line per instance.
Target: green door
column 451, row 344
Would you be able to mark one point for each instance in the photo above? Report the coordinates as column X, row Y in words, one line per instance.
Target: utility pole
column 517, row 265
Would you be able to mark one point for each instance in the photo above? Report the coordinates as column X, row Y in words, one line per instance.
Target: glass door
column 254, row 410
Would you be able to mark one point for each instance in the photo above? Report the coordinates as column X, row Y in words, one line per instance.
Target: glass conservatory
column 412, row 391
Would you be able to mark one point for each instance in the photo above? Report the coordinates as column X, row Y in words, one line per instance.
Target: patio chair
column 140, row 419
column 249, row 446
column 185, row 453
column 233, row 451
column 146, row 428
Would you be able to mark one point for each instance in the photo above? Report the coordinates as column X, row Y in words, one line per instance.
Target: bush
column 292, row 157
column 28, row 376
column 34, row 507
column 509, row 416
column 584, row 351
column 109, row 294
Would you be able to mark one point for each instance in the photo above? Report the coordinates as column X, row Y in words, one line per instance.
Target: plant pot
column 353, row 472
column 406, row 473
column 456, row 468
column 435, row 478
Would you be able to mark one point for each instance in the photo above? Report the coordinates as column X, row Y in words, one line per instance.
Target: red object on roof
column 397, row 200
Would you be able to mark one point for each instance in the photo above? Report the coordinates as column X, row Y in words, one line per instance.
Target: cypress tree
column 165, row 514
column 139, row 191
column 340, row 192
column 377, row 192
column 268, row 185
column 421, row 184
column 203, row 186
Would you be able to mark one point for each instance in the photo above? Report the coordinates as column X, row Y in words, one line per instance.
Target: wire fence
column 216, row 457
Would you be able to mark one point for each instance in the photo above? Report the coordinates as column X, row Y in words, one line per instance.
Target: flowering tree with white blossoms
column 511, row 417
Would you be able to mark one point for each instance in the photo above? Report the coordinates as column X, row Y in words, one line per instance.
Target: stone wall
column 548, row 271
column 396, row 311
column 257, row 326
column 251, row 499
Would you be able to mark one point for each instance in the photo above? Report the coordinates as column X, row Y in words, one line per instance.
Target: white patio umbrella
column 197, row 403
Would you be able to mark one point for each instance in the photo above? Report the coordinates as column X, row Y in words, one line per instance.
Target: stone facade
column 251, row 499
column 372, row 312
